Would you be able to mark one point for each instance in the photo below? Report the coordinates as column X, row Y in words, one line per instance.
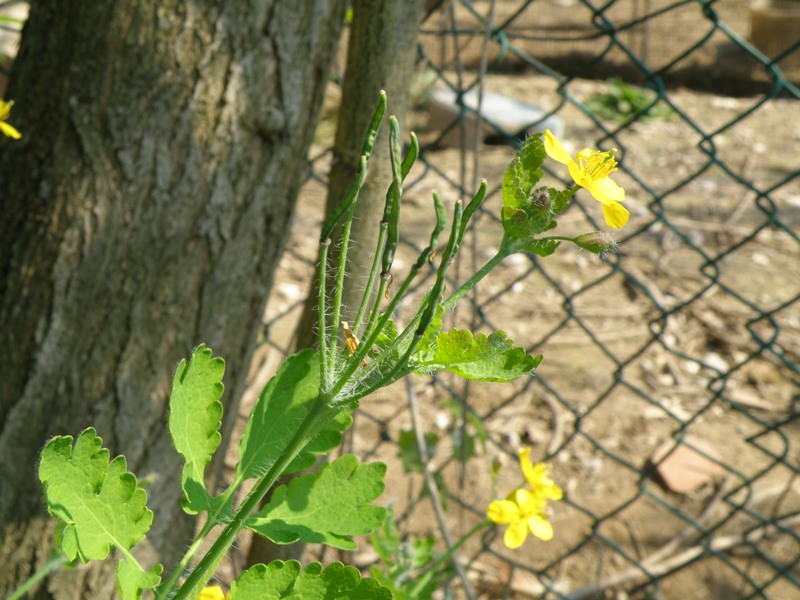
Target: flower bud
column 541, row 199
column 597, row 242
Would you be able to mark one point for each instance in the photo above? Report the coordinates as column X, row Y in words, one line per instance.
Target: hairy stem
column 319, row 414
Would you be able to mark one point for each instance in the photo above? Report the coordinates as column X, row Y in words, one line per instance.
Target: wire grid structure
column 681, row 350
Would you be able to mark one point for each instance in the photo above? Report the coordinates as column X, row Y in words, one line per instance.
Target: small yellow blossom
column 538, row 477
column 5, row 112
column 590, row 169
column 523, row 512
column 213, row 592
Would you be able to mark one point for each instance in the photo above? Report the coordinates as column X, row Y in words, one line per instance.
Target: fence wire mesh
column 667, row 400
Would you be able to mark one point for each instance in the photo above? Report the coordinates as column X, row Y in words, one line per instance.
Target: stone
column 508, row 116
column 683, row 469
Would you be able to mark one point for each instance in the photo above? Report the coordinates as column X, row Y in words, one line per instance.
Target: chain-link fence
column 667, row 398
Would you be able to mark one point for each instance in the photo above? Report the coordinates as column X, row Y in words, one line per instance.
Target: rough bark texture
column 143, row 213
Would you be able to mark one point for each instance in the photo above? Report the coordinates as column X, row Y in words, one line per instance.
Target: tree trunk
column 144, row 212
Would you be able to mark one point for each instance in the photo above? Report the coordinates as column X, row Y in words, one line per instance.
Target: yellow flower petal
column 554, row 149
column 538, row 477
column 9, row 131
column 515, row 535
column 606, row 191
column 213, row 592
column 503, row 512
column 540, row 527
column 615, row 215
column 525, row 462
column 590, row 169
column 529, row 502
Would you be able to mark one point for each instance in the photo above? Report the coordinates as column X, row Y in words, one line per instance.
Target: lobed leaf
column 325, row 507
column 101, row 503
column 286, row 580
column 523, row 172
column 322, row 443
column 133, row 580
column 278, row 413
column 483, row 358
column 194, row 421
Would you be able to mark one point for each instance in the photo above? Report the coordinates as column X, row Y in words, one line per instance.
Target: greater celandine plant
column 305, row 407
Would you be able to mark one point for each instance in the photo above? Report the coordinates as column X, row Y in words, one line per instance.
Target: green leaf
column 194, row 420
column 523, row 172
column 408, row 451
column 278, row 413
column 101, row 503
column 325, row 507
column 386, row 539
column 281, row 580
column 559, row 200
column 543, row 247
column 404, row 563
column 483, row 358
column 385, row 338
column 132, row 580
column 322, row 443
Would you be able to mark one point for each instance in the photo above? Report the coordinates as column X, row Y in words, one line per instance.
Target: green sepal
column 194, row 421
column 281, row 580
column 325, row 507
column 479, row 357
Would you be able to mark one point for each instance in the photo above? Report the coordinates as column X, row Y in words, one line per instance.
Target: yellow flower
column 213, row 592
column 538, row 477
column 5, row 111
column 590, row 169
column 523, row 512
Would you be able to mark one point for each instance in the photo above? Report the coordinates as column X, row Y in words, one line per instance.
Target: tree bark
column 144, row 212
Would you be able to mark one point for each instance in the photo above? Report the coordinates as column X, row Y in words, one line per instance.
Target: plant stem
column 166, row 588
column 324, row 245
column 430, row 571
column 34, row 579
column 337, row 292
column 319, row 414
column 373, row 273
column 473, row 281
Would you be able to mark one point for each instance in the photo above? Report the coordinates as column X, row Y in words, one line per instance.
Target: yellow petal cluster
column 5, row 112
column 213, row 592
column 524, row 510
column 590, row 169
